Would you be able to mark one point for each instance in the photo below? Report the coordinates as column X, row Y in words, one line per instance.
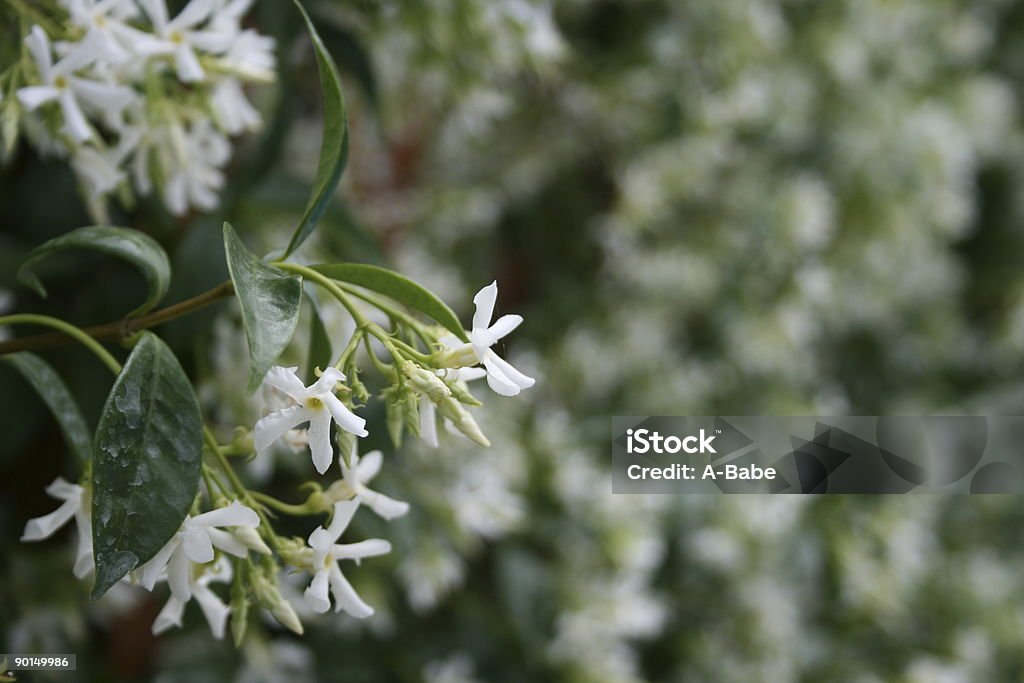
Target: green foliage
column 270, row 302
column 146, row 461
column 139, row 249
column 399, row 288
column 320, row 351
column 51, row 388
column 333, row 144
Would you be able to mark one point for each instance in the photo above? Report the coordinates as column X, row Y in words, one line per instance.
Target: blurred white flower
column 327, row 552
column 361, row 472
column 315, row 404
column 72, row 93
column 76, row 504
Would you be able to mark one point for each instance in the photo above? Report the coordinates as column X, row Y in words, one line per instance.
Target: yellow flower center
column 176, row 37
column 314, row 403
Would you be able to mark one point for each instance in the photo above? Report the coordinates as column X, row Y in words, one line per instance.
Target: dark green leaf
column 133, row 246
column 320, row 351
column 398, row 287
column 45, row 380
column 270, row 301
column 146, row 461
column 333, row 143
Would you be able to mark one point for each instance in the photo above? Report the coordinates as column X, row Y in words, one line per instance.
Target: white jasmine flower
column 326, row 554
column 71, row 92
column 315, row 404
column 362, row 471
column 76, row 504
column 181, row 37
column 501, row 376
column 215, row 611
column 106, row 32
column 251, row 56
column 195, row 541
column 192, row 159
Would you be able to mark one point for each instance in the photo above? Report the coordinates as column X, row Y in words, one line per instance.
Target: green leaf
column 270, row 301
column 48, row 384
column 320, row 351
column 398, row 287
column 146, row 461
column 333, row 143
column 133, row 246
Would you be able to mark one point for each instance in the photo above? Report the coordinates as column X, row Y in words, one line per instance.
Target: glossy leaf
column 398, row 287
column 146, row 461
column 139, row 249
column 270, row 301
column 51, row 388
column 333, row 143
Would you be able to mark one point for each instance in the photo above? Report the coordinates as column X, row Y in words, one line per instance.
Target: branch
column 120, row 329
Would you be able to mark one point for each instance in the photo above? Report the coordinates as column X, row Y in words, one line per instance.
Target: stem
column 350, row 348
column 120, row 329
column 330, row 285
column 281, row 506
column 68, row 329
column 236, row 483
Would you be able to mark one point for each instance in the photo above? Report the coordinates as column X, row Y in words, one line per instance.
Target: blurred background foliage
column 738, row 207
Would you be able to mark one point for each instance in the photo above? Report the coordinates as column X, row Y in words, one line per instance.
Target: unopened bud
column 269, row 596
column 462, row 395
column 239, row 608
column 250, row 538
column 462, row 420
column 426, row 381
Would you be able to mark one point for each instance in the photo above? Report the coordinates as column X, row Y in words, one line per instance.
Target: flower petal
column 193, row 13
column 345, row 597
column 215, row 611
column 518, row 378
column 234, row 514
column 320, row 441
column 388, row 508
column 43, row 527
column 343, row 512
column 504, row 325
column 368, row 466
column 34, row 96
column 169, row 616
column 178, row 574
column 157, row 12
column 189, row 70
column 345, row 418
column 151, row 570
column 497, row 380
column 197, row 544
column 357, row 551
column 273, row 426
column 75, row 123
column 286, row 381
column 325, row 383
column 484, row 301
column 227, row 542
column 316, row 595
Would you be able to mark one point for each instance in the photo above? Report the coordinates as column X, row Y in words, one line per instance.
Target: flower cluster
column 233, row 541
column 138, row 100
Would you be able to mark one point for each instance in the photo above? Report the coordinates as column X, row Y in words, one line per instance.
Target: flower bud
column 239, row 608
column 250, row 538
column 426, row 381
column 462, row 395
column 463, row 421
column 269, row 596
